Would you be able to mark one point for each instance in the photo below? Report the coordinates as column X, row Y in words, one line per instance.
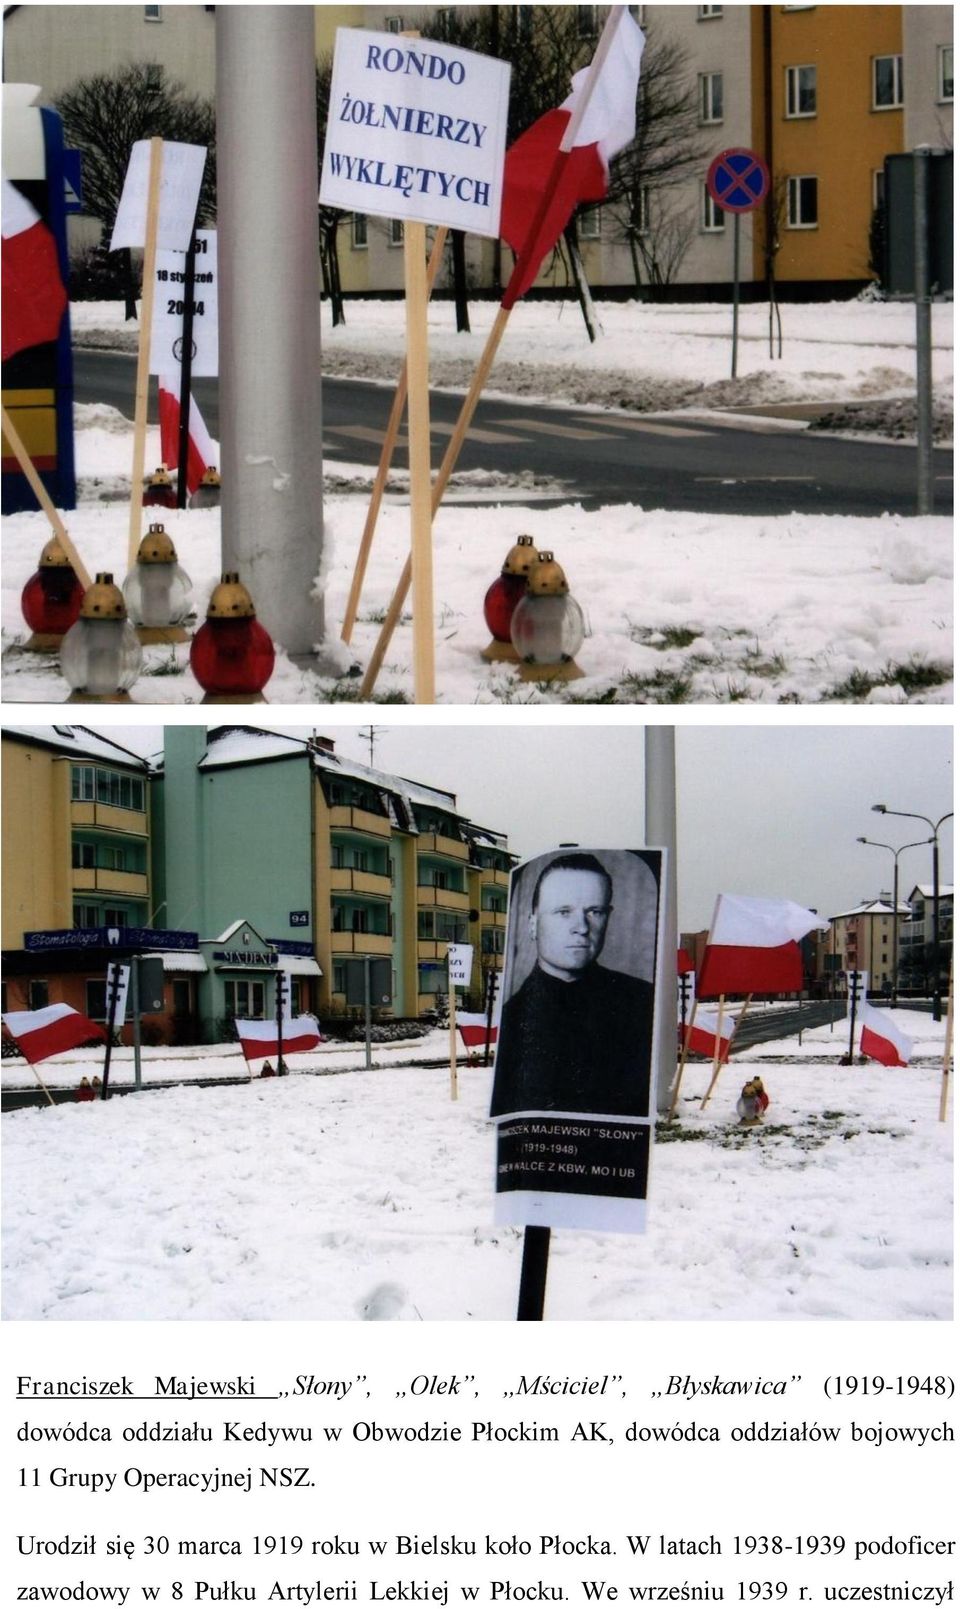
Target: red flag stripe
column 49, row 1031
column 541, row 188
column 750, row 969
column 34, row 298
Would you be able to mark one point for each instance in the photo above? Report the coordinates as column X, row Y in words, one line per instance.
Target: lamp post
column 912, row 815
column 896, row 853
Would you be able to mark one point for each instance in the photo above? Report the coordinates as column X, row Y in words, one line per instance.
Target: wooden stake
column 386, row 455
column 43, row 498
column 439, row 487
column 42, row 1084
column 688, row 1030
column 143, row 353
column 947, row 1052
column 716, row 1063
column 418, row 414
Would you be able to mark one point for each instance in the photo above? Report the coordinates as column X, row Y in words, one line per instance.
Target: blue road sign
column 738, row 180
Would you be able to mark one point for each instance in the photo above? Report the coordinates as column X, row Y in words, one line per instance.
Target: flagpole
column 143, row 355
column 452, row 1014
column 44, row 499
column 40, row 1082
column 684, row 1050
column 947, row 1049
column 507, row 302
column 716, row 1070
column 386, row 456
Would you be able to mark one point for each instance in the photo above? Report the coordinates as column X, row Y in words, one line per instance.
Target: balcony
column 449, row 899
column 434, row 843
column 99, row 880
column 494, row 879
column 493, row 919
column 348, row 817
column 347, row 880
column 433, row 950
column 361, row 944
column 87, row 813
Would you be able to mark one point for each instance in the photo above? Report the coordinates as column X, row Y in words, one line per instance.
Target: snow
column 680, row 606
column 368, row 1194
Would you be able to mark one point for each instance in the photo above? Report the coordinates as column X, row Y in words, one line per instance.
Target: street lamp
column 896, row 853
column 912, row 815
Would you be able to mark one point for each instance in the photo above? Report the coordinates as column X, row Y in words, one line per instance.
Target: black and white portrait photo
column 576, row 1029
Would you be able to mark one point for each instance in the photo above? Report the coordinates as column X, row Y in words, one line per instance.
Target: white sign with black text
column 416, row 130
column 181, row 175
column 460, row 964
column 169, row 307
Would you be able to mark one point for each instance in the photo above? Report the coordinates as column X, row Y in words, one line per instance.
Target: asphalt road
column 704, row 464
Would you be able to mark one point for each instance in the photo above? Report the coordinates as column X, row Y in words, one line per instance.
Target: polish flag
column 754, row 946
column 685, row 962
column 201, row 450
column 259, row 1039
column 34, row 298
column 564, row 158
column 701, row 1036
column 880, row 1040
column 472, row 1028
column 44, row 1033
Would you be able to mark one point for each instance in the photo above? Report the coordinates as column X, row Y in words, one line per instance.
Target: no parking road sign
column 738, row 180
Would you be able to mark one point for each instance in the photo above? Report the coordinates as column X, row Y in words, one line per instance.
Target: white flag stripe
column 742, row 921
column 609, row 119
column 17, row 212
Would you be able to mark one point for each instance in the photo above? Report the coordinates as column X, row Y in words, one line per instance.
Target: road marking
column 748, row 480
column 492, row 438
column 567, row 432
column 475, row 433
column 655, row 428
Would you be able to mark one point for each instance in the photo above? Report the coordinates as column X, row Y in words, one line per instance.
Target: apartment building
column 862, row 940
column 237, row 855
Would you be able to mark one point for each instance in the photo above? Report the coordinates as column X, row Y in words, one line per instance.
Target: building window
column 81, row 782
column 84, row 856
column 801, row 92
column 710, row 91
column 590, row 224
column 340, row 979
column 802, row 210
column 587, row 22
column 244, row 998
column 336, row 856
column 86, row 916
column 878, row 189
column 359, row 239
column 945, row 73
column 707, row 13
column 182, row 997
column 642, row 223
column 396, row 232
column 887, row 82
column 38, row 994
column 393, row 25
column 96, row 999
column 359, row 920
column 152, row 14
column 360, row 859
column 115, row 916
column 713, row 216
column 636, row 13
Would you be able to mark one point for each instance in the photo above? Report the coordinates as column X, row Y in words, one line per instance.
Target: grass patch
column 349, row 693
column 664, row 687
column 664, row 637
column 166, row 667
column 913, row 675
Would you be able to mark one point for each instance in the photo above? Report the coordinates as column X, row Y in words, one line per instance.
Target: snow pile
column 369, row 1195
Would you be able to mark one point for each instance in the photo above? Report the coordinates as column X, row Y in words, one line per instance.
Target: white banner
column 117, row 971
column 181, row 175
column 169, row 306
column 417, row 130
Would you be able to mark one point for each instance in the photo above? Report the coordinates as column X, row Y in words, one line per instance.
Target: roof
column 874, row 907
column 79, row 742
column 179, row 960
column 925, row 890
column 300, row 966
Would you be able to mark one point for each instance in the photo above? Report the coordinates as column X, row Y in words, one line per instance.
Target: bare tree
column 329, row 218
column 659, row 240
column 104, row 115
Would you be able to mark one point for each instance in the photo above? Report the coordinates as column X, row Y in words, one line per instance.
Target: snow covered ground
column 369, row 1195
column 679, row 607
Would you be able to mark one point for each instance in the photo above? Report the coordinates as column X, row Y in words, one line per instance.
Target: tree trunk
column 637, row 262
column 332, row 265
column 580, row 279
column 458, row 248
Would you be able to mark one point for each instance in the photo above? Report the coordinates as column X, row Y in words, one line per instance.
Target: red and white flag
column 201, row 450
column 46, row 1032
column 754, row 946
column 34, row 298
column 685, row 961
column 259, row 1039
column 701, row 1035
column 472, row 1028
column 564, row 158
column 880, row 1040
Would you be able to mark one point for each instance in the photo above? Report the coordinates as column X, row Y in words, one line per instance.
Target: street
column 705, row 463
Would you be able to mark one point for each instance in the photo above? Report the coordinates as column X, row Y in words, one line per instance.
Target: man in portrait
column 576, row 1036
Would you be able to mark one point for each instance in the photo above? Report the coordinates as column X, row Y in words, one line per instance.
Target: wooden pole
column 452, row 1014
column 684, row 1053
column 418, row 414
column 947, row 1052
column 386, row 455
column 143, row 353
column 716, row 1066
column 439, row 487
column 43, row 498
column 41, row 1083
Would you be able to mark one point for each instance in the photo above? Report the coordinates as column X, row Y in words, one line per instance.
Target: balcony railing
column 88, row 813
column 448, row 899
column 361, row 944
column 355, row 820
column 102, row 880
column 348, row 880
column 434, row 843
